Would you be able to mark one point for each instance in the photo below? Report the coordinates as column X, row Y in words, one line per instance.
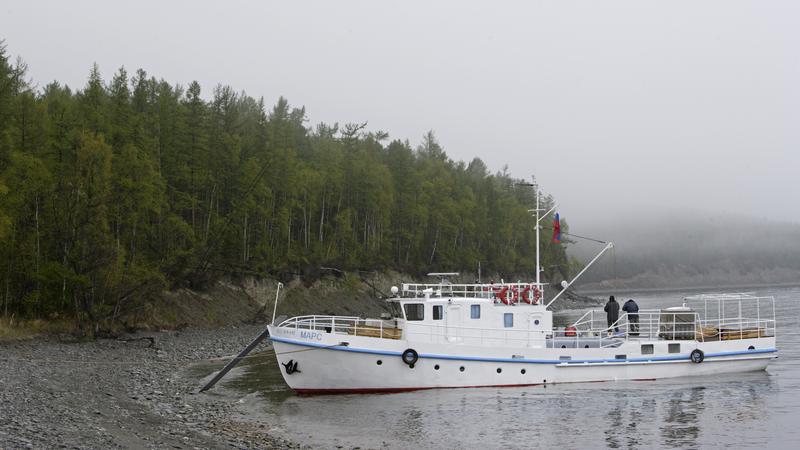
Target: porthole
column 563, row 346
column 751, row 348
column 436, row 367
column 461, row 369
column 544, row 381
column 536, row 322
column 586, row 346
column 522, row 371
column 379, row 362
column 499, row 370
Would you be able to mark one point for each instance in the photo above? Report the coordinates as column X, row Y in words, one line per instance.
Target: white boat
column 446, row 335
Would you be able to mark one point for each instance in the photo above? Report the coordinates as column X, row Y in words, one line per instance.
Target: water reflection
column 681, row 420
column 614, row 419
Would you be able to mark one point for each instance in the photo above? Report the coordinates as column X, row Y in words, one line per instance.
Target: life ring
column 503, row 295
column 570, row 331
column 527, row 298
column 537, row 295
column 524, row 295
column 514, row 295
column 410, row 357
column 697, row 356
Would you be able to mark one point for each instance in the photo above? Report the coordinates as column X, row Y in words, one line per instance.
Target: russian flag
column 557, row 229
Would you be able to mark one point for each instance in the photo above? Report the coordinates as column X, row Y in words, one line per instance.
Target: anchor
column 291, row 367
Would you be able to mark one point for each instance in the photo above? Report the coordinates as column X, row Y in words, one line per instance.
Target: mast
column 539, row 218
column 538, row 268
column 564, row 284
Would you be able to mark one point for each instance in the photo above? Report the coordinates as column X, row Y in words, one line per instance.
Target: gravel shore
column 123, row 394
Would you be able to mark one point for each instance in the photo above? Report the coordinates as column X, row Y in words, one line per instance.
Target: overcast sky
column 614, row 105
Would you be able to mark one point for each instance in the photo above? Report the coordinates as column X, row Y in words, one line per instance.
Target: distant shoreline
column 627, row 290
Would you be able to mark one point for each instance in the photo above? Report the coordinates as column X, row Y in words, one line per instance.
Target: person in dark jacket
column 612, row 312
column 632, row 309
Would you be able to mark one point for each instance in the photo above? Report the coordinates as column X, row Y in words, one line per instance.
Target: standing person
column 632, row 309
column 612, row 312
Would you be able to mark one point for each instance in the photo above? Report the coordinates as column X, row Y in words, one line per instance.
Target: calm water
column 741, row 411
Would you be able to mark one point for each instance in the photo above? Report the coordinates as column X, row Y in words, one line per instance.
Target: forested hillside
column 132, row 185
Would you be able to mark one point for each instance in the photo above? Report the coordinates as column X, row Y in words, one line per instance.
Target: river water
column 752, row 410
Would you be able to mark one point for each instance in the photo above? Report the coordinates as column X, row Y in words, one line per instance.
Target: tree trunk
column 322, row 217
column 8, row 293
column 133, row 241
column 289, row 236
column 210, row 210
column 38, row 242
column 192, row 192
column 435, row 241
column 305, row 220
column 244, row 239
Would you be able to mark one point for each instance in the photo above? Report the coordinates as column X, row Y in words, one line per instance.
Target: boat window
column 437, row 312
column 621, row 357
column 674, row 348
column 414, row 311
column 508, row 320
column 647, row 349
column 475, row 312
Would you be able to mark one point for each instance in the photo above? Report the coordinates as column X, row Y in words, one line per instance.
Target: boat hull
column 325, row 363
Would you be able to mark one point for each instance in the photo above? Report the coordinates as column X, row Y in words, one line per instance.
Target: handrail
column 655, row 324
column 468, row 290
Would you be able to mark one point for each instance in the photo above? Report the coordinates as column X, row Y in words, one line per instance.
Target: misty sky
column 614, row 105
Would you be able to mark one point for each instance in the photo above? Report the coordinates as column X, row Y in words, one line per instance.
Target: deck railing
column 472, row 290
column 646, row 324
column 721, row 317
column 354, row 326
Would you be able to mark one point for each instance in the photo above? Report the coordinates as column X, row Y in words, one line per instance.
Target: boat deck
column 708, row 317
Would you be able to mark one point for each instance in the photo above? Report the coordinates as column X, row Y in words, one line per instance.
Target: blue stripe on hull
column 518, row 360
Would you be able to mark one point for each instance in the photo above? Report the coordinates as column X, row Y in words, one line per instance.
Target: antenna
column 538, row 267
column 536, row 190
